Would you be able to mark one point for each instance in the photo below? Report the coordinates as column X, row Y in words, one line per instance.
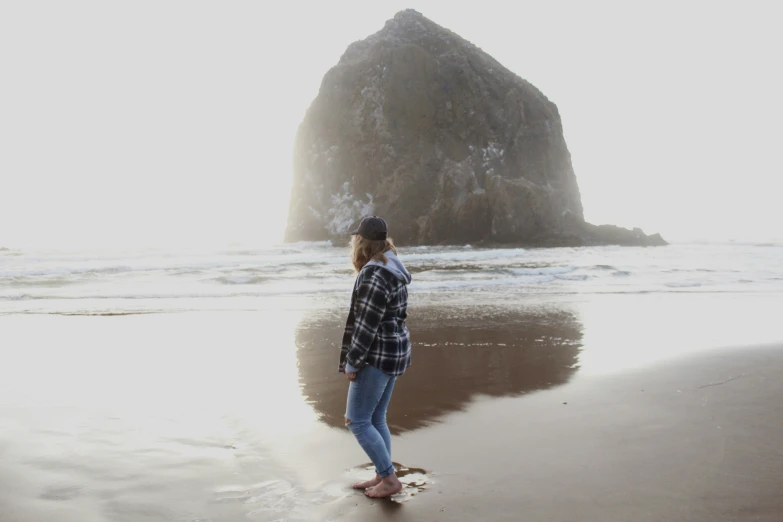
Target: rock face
column 421, row 127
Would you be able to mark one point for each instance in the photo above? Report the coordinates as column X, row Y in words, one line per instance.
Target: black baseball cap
column 372, row 228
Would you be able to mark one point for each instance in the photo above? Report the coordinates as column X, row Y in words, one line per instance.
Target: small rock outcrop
column 425, row 129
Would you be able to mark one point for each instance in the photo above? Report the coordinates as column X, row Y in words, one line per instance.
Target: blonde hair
column 364, row 250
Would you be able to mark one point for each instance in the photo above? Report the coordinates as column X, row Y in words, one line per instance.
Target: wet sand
column 495, row 354
column 696, row 440
column 230, row 416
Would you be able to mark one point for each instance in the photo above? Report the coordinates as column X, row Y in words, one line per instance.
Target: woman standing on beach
column 376, row 348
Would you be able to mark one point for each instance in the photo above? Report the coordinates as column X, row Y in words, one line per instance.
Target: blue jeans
column 368, row 399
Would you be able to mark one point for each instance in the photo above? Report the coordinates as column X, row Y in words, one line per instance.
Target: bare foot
column 368, row 483
column 387, row 487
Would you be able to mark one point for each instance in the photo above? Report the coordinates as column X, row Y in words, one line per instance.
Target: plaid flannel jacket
column 375, row 332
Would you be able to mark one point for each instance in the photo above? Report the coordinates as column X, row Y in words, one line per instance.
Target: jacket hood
column 395, row 266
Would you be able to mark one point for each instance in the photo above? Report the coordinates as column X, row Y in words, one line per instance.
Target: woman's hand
column 350, row 371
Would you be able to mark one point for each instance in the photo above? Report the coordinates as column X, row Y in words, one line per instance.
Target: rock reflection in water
column 456, row 356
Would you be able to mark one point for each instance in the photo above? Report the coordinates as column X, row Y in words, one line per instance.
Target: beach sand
column 695, row 440
column 505, row 415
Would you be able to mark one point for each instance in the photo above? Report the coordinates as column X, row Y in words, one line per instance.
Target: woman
column 376, row 348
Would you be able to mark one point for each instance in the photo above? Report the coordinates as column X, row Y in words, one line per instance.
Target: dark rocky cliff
column 425, row 129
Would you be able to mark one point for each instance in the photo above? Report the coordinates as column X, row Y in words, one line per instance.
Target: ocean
column 318, row 275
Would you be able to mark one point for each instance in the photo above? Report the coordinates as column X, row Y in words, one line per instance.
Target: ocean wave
column 479, row 272
column 545, row 270
column 266, row 260
column 105, row 314
column 237, row 280
column 432, row 249
column 114, row 269
column 464, row 255
column 62, row 271
column 322, row 273
column 482, row 283
column 675, row 270
column 51, row 282
column 346, row 289
column 276, row 286
column 55, row 276
column 573, row 277
column 18, row 297
column 683, row 284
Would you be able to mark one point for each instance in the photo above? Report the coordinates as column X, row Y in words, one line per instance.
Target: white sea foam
column 154, row 280
column 573, row 277
column 253, row 280
column 482, row 283
column 684, row 284
column 464, row 255
column 547, row 270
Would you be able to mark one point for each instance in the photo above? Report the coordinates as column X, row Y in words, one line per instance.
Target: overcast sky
column 157, row 122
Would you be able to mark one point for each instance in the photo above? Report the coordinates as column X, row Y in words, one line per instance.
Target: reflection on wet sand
column 456, row 357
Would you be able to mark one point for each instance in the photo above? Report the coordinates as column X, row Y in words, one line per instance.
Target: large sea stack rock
column 419, row 126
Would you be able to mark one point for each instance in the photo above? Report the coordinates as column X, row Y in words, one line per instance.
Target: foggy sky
column 172, row 122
